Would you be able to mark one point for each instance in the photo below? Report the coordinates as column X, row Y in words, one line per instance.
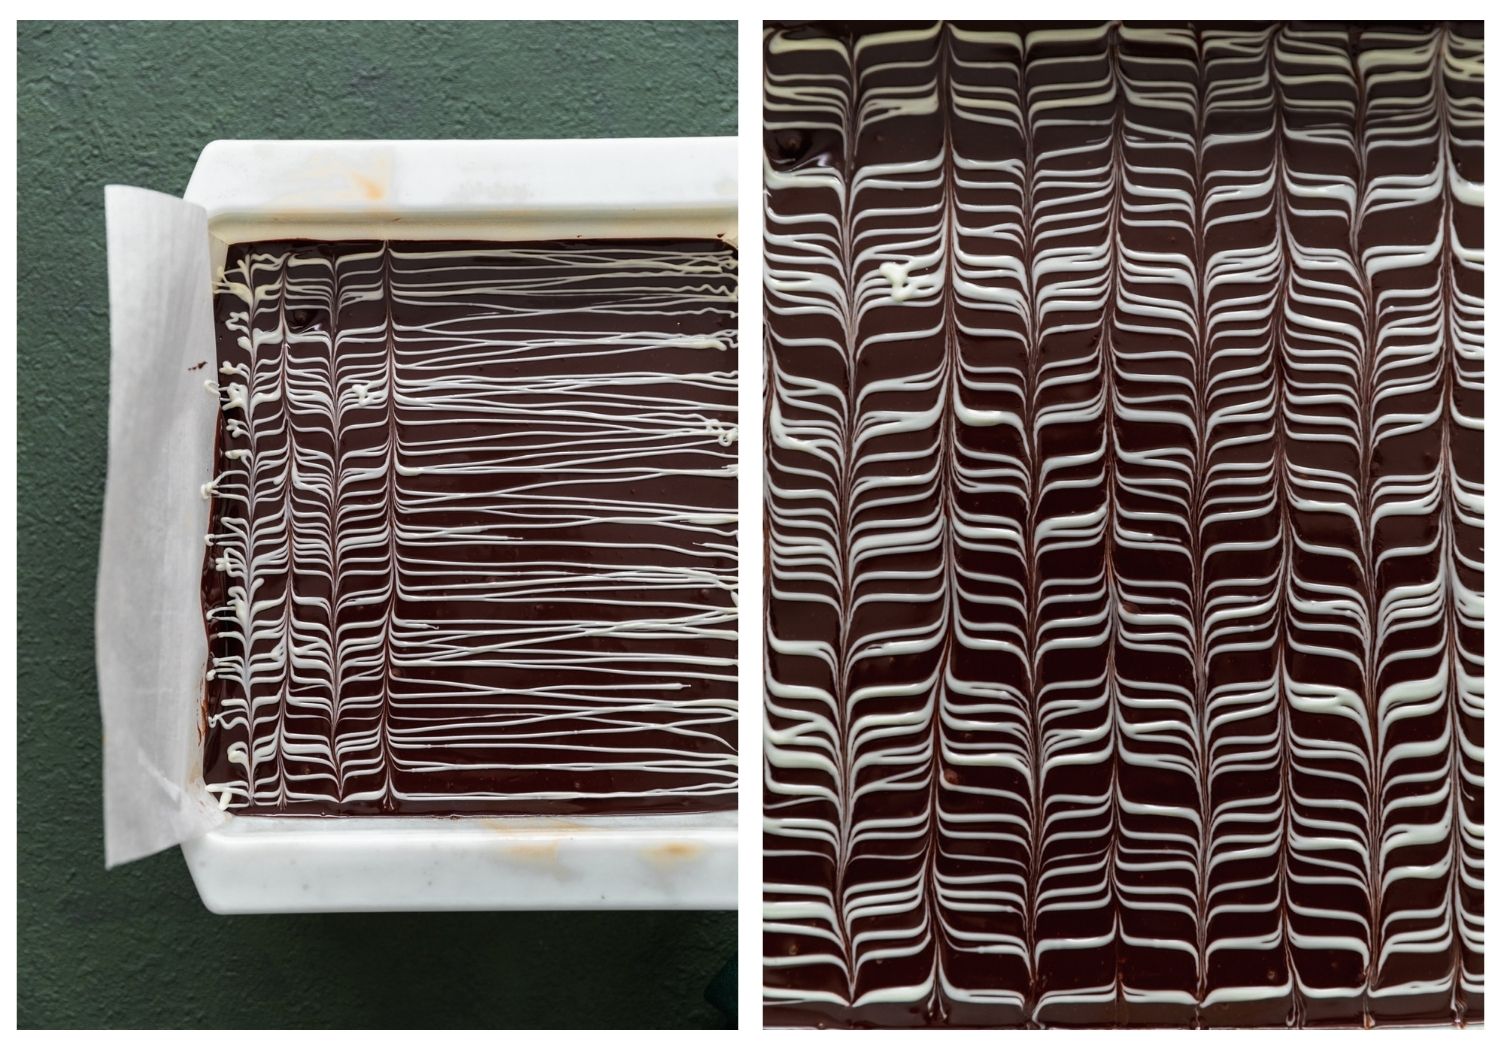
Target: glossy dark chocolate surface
column 1124, row 437
column 473, row 532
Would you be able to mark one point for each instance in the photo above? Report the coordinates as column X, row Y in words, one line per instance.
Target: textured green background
column 134, row 103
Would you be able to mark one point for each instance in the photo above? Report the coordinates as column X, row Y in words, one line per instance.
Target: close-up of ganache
column 1125, row 562
column 472, row 542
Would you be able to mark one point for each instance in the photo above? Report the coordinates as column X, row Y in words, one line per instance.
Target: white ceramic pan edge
column 502, row 190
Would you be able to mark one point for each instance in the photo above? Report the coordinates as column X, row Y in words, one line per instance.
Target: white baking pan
column 482, row 190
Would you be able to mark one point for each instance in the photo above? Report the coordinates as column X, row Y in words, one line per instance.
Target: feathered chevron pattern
column 1124, row 430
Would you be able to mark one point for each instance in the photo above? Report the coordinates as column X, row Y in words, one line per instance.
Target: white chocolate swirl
column 1125, row 643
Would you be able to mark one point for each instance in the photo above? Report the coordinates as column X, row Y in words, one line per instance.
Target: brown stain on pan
column 543, row 852
column 370, row 188
column 673, row 852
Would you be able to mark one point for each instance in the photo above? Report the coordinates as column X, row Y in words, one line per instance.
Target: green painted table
column 134, row 103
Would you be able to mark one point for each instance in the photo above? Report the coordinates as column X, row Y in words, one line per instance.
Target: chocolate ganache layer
column 1124, row 424
column 472, row 539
